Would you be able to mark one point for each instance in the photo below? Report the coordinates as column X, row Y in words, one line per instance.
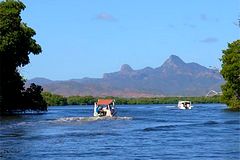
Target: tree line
column 59, row 100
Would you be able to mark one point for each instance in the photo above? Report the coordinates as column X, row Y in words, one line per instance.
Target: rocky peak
column 126, row 68
column 174, row 60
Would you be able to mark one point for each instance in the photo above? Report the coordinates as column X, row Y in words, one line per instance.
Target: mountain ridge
column 173, row 78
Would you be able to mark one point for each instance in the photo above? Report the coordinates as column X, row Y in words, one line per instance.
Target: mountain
column 173, row 78
column 39, row 81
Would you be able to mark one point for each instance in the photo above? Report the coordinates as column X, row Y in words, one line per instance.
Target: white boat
column 184, row 105
column 104, row 108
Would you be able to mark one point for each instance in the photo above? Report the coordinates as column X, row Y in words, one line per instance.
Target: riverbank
column 58, row 100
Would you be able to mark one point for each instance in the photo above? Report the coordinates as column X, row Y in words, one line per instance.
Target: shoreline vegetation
column 59, row 100
column 16, row 44
column 231, row 73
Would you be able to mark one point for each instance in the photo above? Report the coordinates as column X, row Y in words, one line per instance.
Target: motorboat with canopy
column 104, row 108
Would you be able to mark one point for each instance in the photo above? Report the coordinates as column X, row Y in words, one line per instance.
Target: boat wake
column 90, row 119
column 170, row 106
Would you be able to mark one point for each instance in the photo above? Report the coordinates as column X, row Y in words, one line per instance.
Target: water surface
column 139, row 132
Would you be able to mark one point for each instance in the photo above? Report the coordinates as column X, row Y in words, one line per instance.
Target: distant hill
column 40, row 81
column 173, row 78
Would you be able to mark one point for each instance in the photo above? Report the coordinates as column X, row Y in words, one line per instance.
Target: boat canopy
column 104, row 101
column 184, row 102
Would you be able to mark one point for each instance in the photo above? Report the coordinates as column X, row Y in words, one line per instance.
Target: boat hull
column 180, row 107
column 113, row 114
column 184, row 105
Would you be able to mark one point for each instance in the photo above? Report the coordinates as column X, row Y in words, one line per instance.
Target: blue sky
column 86, row 38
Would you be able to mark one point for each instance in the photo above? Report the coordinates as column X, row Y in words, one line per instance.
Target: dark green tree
column 16, row 43
column 32, row 97
column 231, row 73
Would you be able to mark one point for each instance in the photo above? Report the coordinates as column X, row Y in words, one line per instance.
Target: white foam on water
column 89, row 119
column 171, row 106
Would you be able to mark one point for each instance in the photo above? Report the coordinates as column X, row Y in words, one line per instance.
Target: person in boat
column 185, row 105
column 99, row 109
column 104, row 107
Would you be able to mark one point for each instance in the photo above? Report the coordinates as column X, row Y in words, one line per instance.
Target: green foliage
column 32, row 98
column 167, row 100
column 16, row 43
column 54, row 100
column 15, row 36
column 57, row 100
column 78, row 100
column 231, row 73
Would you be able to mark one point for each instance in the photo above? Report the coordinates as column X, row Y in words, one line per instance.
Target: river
column 139, row 132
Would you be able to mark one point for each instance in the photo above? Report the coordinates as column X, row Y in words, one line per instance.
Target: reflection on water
column 139, row 132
